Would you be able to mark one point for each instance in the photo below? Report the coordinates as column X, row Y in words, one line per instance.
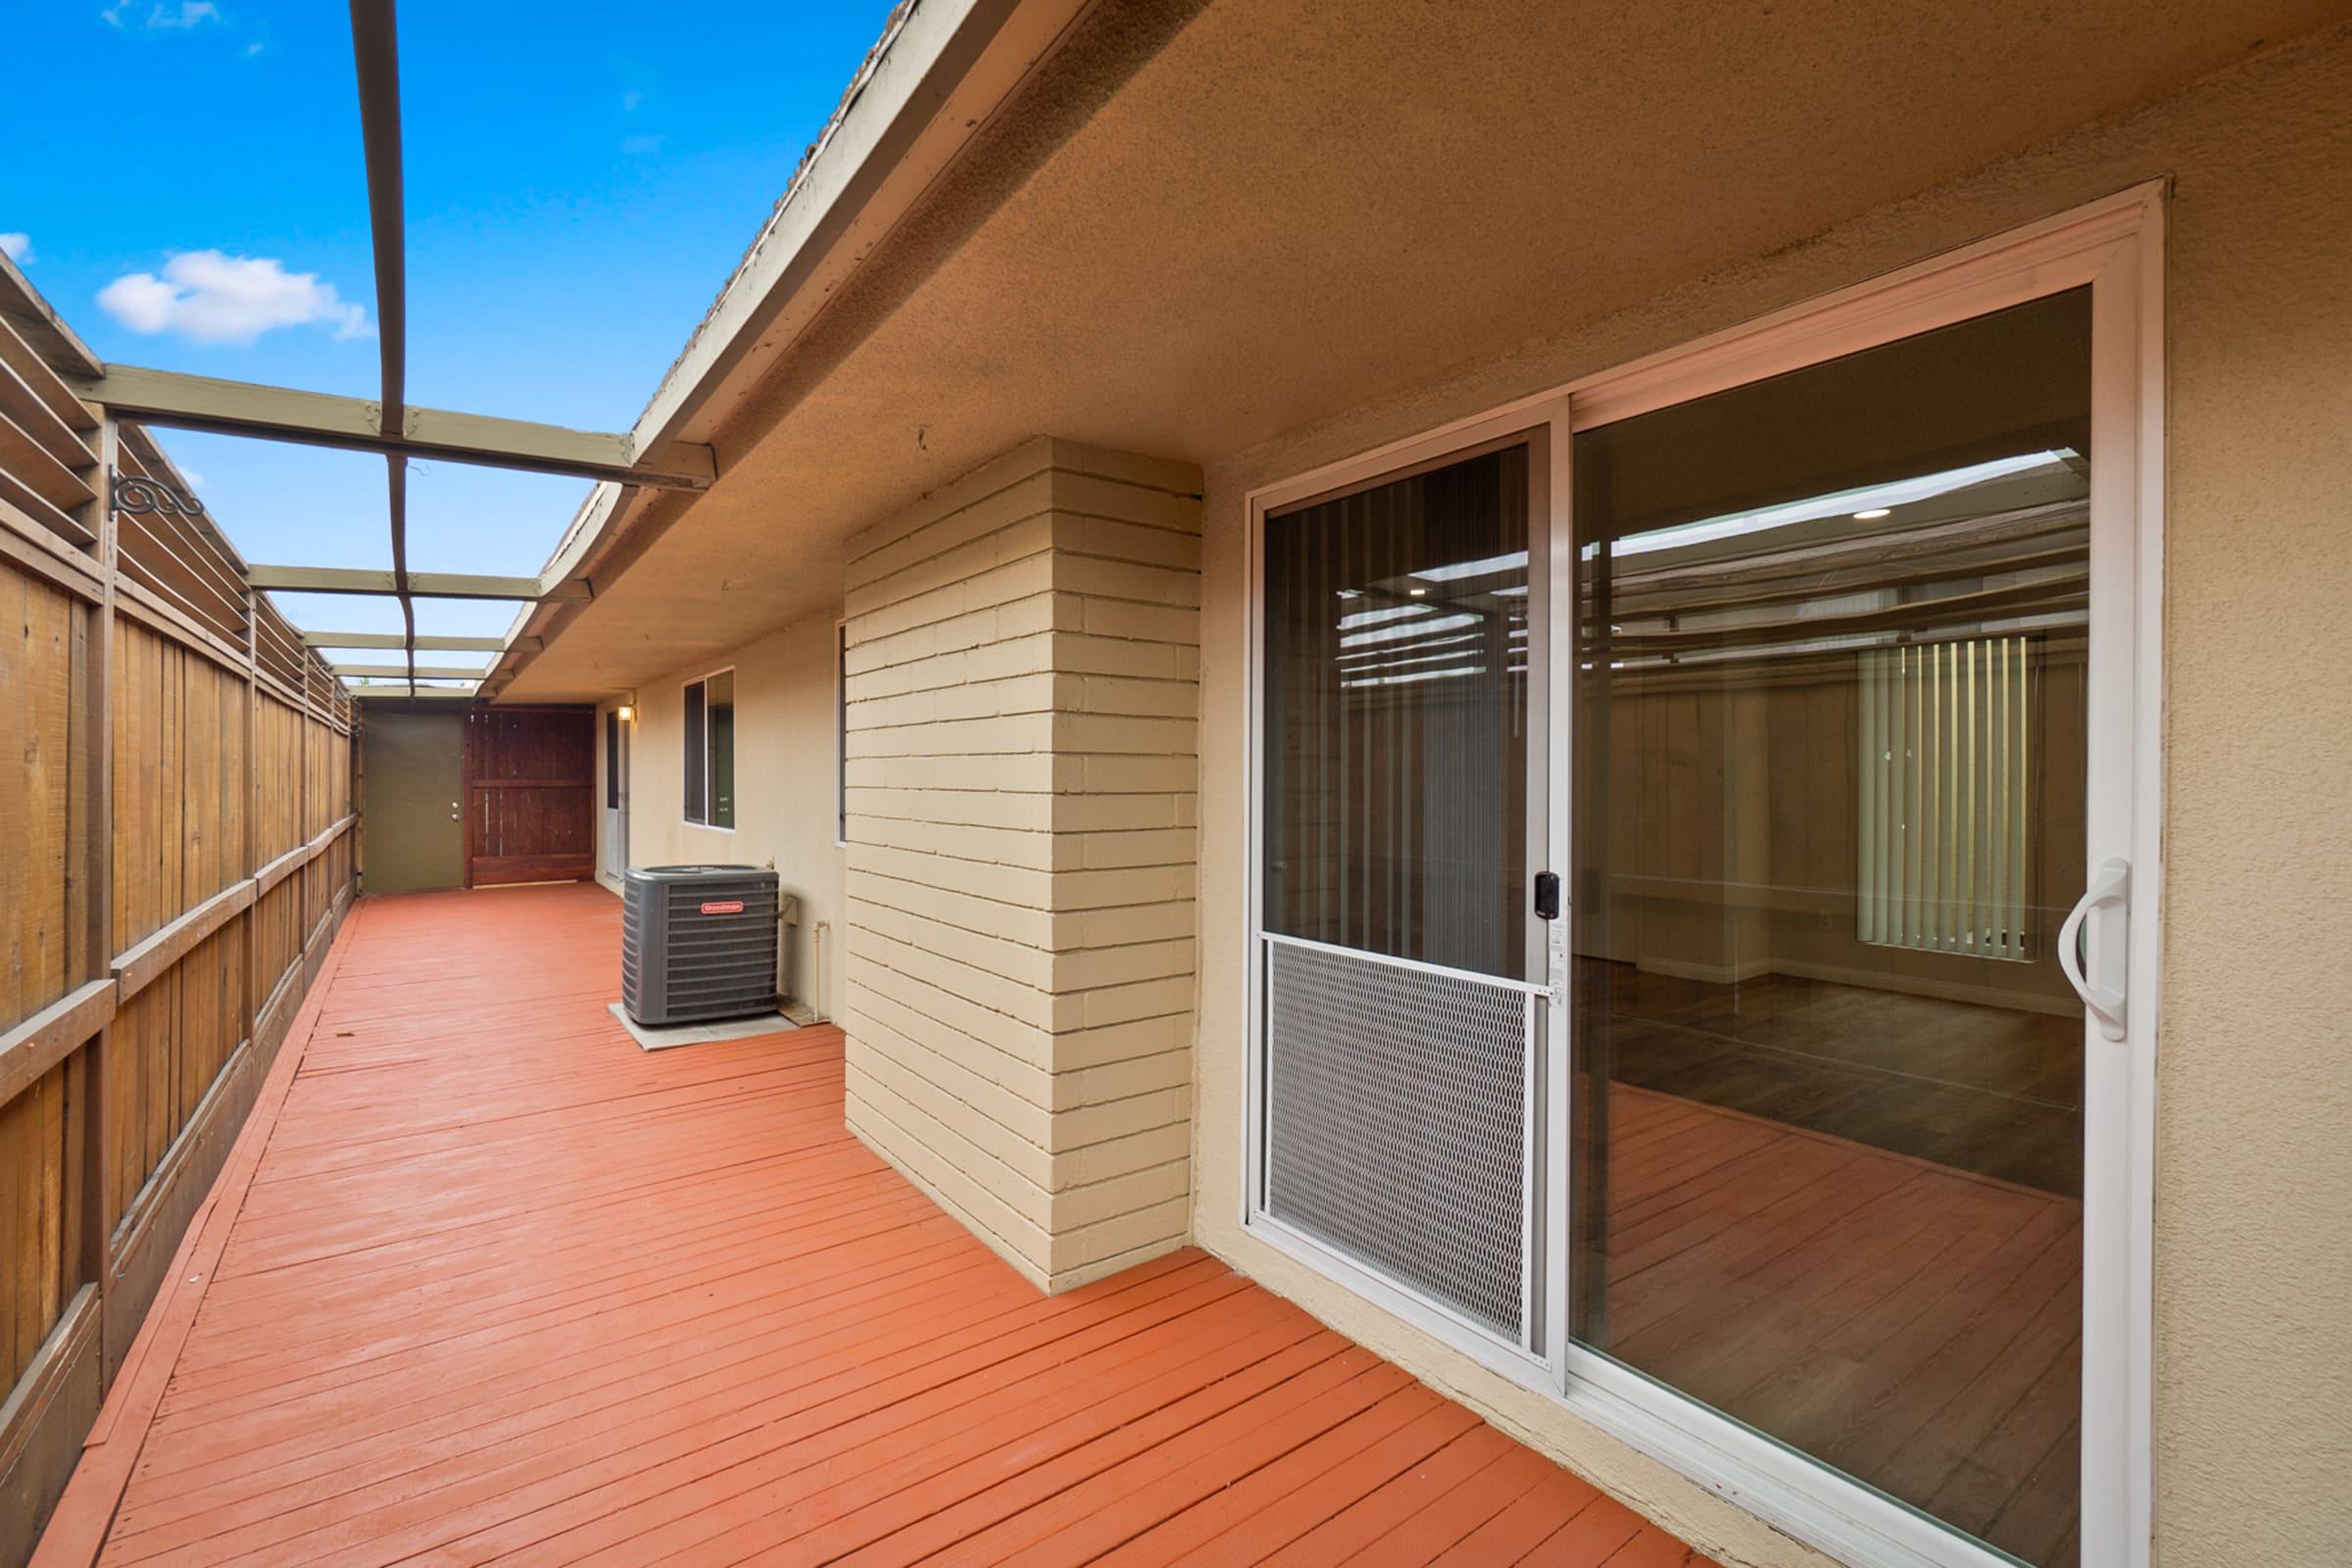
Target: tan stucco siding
column 2253, row 1397
column 1023, row 657
column 785, row 788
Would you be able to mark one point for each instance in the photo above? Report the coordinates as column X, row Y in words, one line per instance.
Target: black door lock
column 1547, row 895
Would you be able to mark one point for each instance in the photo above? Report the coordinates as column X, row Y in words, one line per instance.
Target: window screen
column 612, row 761
column 698, row 763
column 720, row 706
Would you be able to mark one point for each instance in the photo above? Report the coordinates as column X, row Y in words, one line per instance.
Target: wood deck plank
column 1376, row 1467
column 1351, row 1533
column 1443, row 1521
column 1049, row 1494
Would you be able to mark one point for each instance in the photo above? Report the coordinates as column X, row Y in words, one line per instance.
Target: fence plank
column 36, row 621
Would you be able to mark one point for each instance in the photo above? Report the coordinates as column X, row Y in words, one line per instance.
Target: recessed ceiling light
column 1418, row 593
column 1874, row 513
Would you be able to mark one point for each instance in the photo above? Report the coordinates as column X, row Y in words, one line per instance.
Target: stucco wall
column 2254, row 1157
column 1023, row 706
column 784, row 787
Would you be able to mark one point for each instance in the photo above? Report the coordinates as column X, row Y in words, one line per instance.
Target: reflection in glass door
column 1827, row 816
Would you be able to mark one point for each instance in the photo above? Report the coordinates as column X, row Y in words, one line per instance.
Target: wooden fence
column 176, row 800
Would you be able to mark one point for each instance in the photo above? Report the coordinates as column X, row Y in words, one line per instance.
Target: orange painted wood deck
column 485, row 1283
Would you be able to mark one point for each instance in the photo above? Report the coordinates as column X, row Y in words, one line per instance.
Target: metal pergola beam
column 178, row 401
column 403, row 692
column 376, row 60
column 393, row 639
column 418, row 584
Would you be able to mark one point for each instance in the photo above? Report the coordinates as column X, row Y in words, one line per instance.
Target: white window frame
column 684, row 805
column 2116, row 247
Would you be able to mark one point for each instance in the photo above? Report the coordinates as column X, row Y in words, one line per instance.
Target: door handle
column 2112, row 886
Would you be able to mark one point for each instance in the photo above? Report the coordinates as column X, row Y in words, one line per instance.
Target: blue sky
column 582, row 178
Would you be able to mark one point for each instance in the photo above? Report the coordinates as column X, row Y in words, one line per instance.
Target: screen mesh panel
column 1397, row 1124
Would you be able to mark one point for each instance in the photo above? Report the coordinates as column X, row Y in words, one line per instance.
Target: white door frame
column 2115, row 246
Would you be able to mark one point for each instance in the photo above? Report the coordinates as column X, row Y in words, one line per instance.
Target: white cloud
column 19, row 248
column 214, row 297
column 159, row 15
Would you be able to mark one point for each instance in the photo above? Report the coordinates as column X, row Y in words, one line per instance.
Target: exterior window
column 612, row 759
column 841, row 732
column 710, row 750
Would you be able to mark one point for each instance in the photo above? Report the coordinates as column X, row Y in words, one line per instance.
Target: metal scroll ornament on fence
column 142, row 496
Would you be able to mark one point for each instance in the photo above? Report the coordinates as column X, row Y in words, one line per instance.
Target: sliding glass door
column 1828, row 788
column 1698, row 964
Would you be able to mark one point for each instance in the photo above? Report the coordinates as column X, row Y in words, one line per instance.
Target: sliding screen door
column 1401, row 1071
column 1827, row 808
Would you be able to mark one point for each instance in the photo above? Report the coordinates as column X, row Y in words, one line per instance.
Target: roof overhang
column 1186, row 229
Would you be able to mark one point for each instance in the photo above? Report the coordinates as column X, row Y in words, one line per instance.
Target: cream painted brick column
column 1023, row 659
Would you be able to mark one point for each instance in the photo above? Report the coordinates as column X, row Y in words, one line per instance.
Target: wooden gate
column 530, row 795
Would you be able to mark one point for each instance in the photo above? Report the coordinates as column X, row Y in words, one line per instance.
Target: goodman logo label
column 724, row 907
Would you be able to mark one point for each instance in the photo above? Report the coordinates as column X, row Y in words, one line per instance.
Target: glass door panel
column 1828, row 817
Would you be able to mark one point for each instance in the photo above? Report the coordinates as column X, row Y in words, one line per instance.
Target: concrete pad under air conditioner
column 792, row 1016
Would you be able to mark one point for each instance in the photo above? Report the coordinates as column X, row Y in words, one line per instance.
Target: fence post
column 90, row 834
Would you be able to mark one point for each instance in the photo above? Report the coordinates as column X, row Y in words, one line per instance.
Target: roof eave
column 941, row 71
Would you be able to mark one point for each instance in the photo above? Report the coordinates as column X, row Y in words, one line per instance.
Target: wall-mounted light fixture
column 625, row 712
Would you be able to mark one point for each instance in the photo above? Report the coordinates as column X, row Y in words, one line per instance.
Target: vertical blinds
column 1944, row 774
column 1396, row 692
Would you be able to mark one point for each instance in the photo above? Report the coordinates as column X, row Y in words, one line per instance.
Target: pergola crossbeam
column 402, row 672
column 393, row 639
column 420, row 584
column 178, row 401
